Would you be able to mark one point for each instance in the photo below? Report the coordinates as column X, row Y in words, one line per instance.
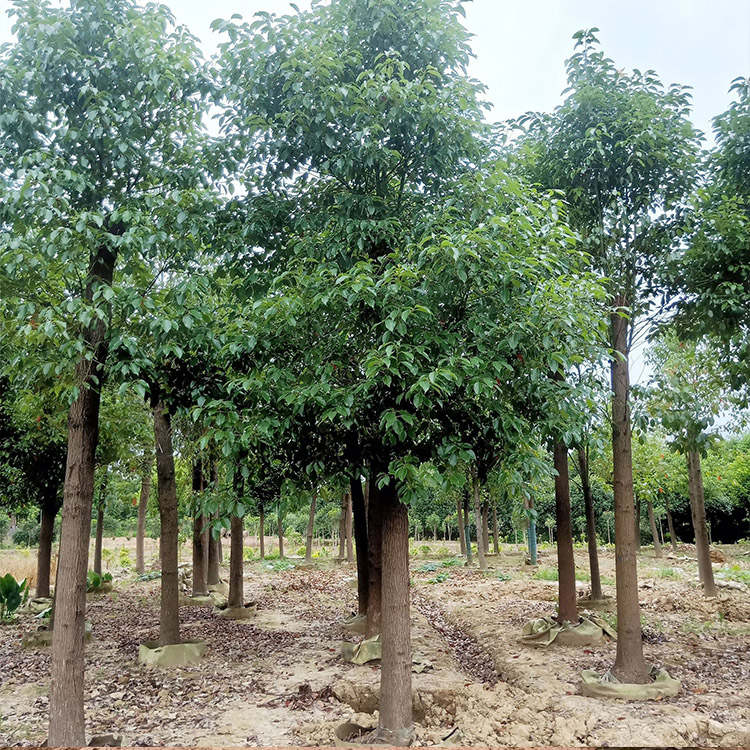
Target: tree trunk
column 67, row 723
column 395, row 717
column 567, row 605
column 348, row 529
column 461, row 529
column 236, row 588
column 478, row 520
column 375, row 559
column 533, row 548
column 280, row 529
column 588, row 500
column 44, row 555
column 140, row 534
column 670, row 525
column 169, row 624
column 262, row 535
column 467, row 528
column 310, row 528
column 495, row 530
column 486, row 526
column 342, row 526
column 654, row 532
column 360, row 536
column 200, row 536
column 100, row 523
column 629, row 664
column 213, row 574
column 698, row 512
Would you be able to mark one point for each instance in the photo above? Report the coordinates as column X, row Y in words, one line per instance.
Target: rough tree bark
column 200, row 536
column 374, row 560
column 630, row 665
column 698, row 512
column 670, row 525
column 588, row 501
column 140, row 533
column 461, row 529
column 467, row 528
column 44, row 556
column 310, row 528
column 236, row 596
column 567, row 605
column 99, row 536
column 213, row 574
column 486, row 526
column 395, row 717
column 67, row 723
column 169, row 623
column 478, row 518
column 342, row 526
column 360, row 536
column 654, row 532
column 349, row 526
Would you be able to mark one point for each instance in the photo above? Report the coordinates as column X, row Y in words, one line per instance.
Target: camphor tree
column 687, row 392
column 100, row 107
column 622, row 149
column 710, row 274
column 32, row 464
column 409, row 284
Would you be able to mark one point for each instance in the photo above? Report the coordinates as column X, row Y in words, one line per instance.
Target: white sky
column 521, row 45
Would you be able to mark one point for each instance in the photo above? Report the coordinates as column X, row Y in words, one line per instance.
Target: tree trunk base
column 172, row 655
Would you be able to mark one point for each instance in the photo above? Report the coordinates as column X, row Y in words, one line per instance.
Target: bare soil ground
column 279, row 678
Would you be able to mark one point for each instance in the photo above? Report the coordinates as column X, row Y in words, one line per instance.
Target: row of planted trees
column 357, row 278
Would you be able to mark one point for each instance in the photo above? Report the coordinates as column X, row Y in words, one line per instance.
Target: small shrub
column 125, row 559
column 424, row 549
column 27, row 534
column 443, row 551
column 248, row 553
column 94, row 581
column 429, row 567
column 12, row 595
column 439, row 578
column 502, row 576
column 152, row 575
column 301, row 551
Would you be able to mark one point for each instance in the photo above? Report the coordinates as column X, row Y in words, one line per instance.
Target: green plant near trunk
column 12, row 596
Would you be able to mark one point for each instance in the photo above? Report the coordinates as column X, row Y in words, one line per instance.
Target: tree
column 99, row 110
column 32, row 463
column 686, row 394
column 622, row 149
column 710, row 275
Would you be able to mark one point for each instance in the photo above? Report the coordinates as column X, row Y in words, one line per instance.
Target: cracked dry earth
column 279, row 680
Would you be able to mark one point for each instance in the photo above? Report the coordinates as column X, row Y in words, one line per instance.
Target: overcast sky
column 521, row 45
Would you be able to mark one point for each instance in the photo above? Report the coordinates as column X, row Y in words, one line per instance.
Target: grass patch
column 546, row 574
column 667, row 573
column 431, row 567
column 278, row 565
